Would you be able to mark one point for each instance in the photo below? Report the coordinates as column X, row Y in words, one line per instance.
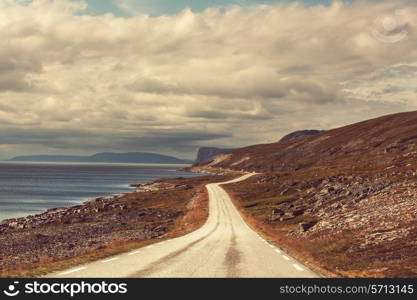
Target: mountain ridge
column 300, row 134
column 377, row 139
column 341, row 200
column 106, row 157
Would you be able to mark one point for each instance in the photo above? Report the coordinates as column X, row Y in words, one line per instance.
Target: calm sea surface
column 30, row 188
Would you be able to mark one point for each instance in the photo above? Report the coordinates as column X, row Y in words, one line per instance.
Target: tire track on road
column 233, row 255
column 159, row 264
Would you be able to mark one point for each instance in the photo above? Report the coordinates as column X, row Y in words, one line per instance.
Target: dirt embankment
column 63, row 237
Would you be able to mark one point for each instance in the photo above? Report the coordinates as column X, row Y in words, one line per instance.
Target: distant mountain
column 300, row 133
column 50, row 158
column 107, row 157
column 205, row 153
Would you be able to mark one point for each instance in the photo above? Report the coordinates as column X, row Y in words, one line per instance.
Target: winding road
column 224, row 247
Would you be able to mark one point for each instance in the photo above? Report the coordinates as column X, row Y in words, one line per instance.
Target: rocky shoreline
column 149, row 212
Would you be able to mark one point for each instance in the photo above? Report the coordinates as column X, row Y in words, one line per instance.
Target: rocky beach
column 59, row 237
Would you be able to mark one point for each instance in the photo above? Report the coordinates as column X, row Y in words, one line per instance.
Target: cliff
column 205, row 153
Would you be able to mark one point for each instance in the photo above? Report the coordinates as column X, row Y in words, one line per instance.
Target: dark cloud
column 100, row 83
column 80, row 140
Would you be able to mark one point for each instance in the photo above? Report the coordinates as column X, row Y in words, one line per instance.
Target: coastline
column 66, row 236
column 33, row 188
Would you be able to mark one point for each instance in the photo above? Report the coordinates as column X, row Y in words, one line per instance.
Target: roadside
column 269, row 234
column 265, row 230
column 339, row 225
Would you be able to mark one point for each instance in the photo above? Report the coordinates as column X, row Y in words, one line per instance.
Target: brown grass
column 196, row 216
column 330, row 253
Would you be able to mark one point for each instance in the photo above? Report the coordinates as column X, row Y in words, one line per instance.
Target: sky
column 126, row 8
column 80, row 77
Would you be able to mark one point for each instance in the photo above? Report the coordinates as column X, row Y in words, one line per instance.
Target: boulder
column 305, row 226
column 276, row 214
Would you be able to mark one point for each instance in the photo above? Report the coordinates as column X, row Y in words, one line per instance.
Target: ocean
column 31, row 188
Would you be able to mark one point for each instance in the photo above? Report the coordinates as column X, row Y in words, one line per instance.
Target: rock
column 305, row 226
column 276, row 214
column 298, row 212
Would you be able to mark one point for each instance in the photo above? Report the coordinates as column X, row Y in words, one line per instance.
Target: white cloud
column 239, row 77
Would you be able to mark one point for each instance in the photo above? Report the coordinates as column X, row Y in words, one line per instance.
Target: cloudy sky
column 79, row 77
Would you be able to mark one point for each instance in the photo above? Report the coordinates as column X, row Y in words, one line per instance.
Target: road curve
column 224, row 247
